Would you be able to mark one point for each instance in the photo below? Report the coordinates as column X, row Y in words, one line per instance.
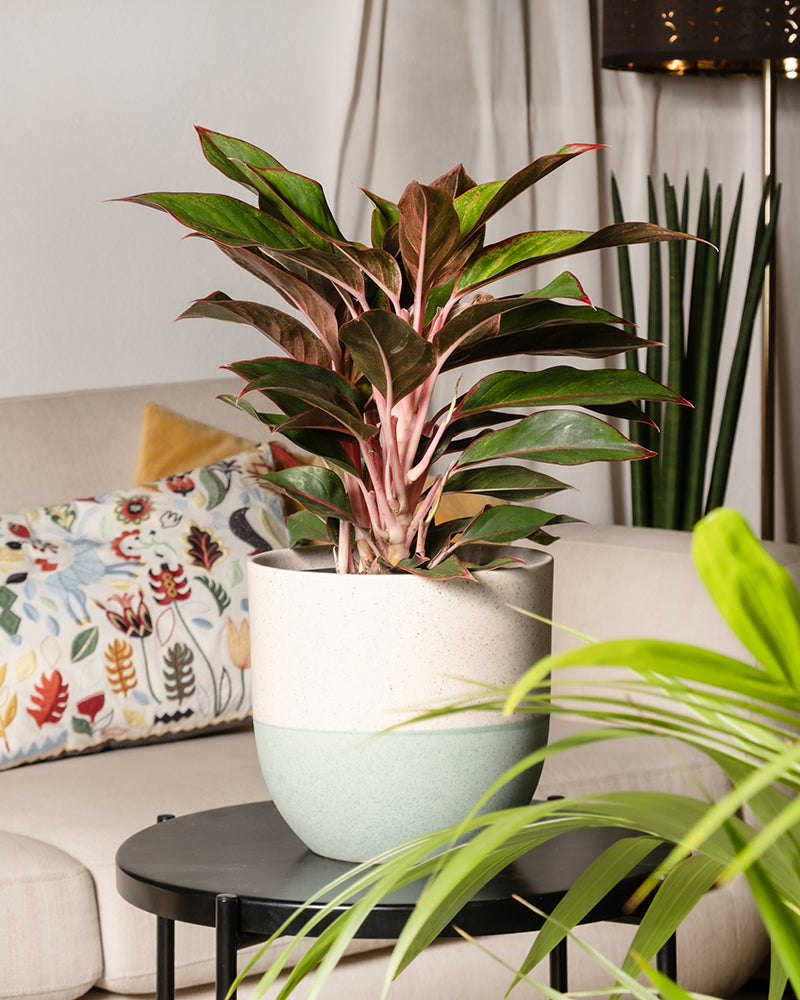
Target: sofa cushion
column 48, row 922
column 125, row 617
column 90, row 803
column 171, row 443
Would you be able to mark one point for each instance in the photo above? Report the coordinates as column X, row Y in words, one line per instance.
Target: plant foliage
column 689, row 477
column 372, row 329
column 742, row 715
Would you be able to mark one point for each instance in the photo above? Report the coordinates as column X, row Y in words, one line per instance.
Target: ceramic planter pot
column 336, row 660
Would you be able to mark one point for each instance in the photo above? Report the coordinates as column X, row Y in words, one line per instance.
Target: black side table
column 242, row 870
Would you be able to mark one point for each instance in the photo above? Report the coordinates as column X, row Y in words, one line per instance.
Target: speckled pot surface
column 336, row 660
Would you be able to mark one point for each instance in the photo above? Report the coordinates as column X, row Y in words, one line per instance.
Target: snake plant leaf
column 563, row 437
column 505, row 523
column 526, row 249
column 754, row 594
column 228, row 155
column 226, row 220
column 562, row 385
column 281, row 328
column 477, row 205
column 429, row 234
column 389, row 352
column 295, row 290
column 319, row 490
column 505, row 482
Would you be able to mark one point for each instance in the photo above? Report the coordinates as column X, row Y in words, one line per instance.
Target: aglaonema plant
column 373, row 330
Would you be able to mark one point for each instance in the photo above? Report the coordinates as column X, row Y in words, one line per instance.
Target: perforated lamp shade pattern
column 700, row 37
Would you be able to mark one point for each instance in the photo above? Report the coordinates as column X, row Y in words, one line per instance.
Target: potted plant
column 743, row 715
column 380, row 327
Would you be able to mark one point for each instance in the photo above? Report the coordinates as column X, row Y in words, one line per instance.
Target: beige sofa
column 65, row 931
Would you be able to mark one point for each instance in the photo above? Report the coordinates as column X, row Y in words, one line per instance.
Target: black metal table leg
column 165, row 948
column 558, row 966
column 667, row 959
column 165, row 959
column 227, row 914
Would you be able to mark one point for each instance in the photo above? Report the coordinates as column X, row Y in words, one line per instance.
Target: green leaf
column 526, row 249
column 84, row 644
column 81, row 726
column 755, row 595
column 589, row 889
column 505, row 523
column 281, row 328
column 518, row 315
column 563, row 437
column 478, row 204
column 563, row 385
column 297, row 199
column 451, row 568
column 298, row 388
column 564, row 286
column 505, row 482
column 223, row 152
column 389, row 352
column 306, row 527
column 384, row 218
column 318, row 490
column 224, row 219
column 215, row 488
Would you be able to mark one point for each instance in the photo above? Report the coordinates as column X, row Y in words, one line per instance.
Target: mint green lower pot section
column 353, row 795
column 341, row 664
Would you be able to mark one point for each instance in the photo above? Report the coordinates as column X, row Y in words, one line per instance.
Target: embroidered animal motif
column 85, row 568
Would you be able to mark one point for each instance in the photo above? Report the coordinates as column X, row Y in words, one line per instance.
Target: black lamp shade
column 702, row 36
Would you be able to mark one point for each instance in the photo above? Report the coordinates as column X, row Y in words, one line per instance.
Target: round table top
column 176, row 869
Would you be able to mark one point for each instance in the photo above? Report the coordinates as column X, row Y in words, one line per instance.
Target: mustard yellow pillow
column 170, row 444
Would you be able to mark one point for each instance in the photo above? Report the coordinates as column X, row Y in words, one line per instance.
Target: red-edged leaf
column 564, row 437
column 316, row 489
column 49, row 699
column 281, row 328
column 477, row 205
column 526, row 249
column 320, row 312
column 389, row 352
column 226, row 220
column 429, row 233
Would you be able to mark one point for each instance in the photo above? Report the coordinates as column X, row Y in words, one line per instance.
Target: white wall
column 99, row 100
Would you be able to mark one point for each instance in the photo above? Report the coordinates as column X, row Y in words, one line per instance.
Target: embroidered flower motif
column 124, row 547
column 180, row 484
column 133, row 510
column 132, row 621
column 238, row 640
column 91, row 705
column 169, row 585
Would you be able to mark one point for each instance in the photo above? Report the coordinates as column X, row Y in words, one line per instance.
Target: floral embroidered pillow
column 124, row 617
